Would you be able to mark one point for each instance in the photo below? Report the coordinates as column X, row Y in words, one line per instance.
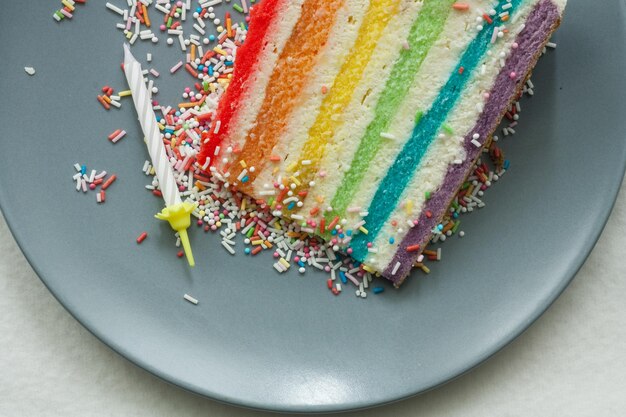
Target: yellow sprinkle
column 152, row 171
column 274, row 171
column 257, row 242
column 284, row 262
column 363, row 230
column 367, row 268
column 68, row 5
column 425, row 269
column 409, row 206
column 319, row 199
column 125, row 93
column 220, row 51
column 292, row 166
column 295, row 180
column 243, row 204
column 161, row 127
column 243, row 164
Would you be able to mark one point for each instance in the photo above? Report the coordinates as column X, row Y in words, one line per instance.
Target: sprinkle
column 142, row 237
column 109, row 181
column 413, row 248
column 29, row 70
column 176, row 67
column 190, row 299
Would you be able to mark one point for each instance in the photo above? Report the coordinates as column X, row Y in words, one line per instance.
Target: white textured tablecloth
column 572, row 362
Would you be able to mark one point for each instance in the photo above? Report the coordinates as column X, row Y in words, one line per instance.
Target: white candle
column 176, row 212
column 148, row 121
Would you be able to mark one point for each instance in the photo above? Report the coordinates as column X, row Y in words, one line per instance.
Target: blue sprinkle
column 342, row 275
column 440, row 226
column 228, row 63
column 177, row 113
column 198, row 9
column 455, row 215
column 200, row 67
column 245, row 179
column 301, row 263
column 349, row 233
column 291, row 205
column 211, row 37
column 391, row 240
column 83, row 169
column 247, row 251
column 506, row 164
column 333, row 232
column 341, row 235
column 378, row 290
column 210, row 70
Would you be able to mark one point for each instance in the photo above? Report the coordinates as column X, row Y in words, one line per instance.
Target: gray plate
column 284, row 342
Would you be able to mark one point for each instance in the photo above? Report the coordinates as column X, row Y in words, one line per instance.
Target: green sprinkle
column 238, row 8
column 446, row 128
column 418, row 116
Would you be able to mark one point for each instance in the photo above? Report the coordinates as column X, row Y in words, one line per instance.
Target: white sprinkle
column 395, row 268
column 114, row 8
column 29, row 70
column 190, row 299
column 387, row 135
column 176, row 67
column 228, row 248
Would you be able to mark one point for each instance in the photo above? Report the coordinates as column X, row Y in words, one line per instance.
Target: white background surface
column 572, row 362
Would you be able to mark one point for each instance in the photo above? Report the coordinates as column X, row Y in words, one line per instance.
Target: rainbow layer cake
column 360, row 120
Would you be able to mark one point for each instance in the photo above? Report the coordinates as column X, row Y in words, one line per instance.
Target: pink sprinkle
column 513, row 75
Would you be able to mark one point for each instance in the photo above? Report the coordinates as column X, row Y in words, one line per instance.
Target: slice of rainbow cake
column 360, row 120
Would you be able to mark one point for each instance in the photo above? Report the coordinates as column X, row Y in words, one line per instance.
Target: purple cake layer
column 541, row 22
